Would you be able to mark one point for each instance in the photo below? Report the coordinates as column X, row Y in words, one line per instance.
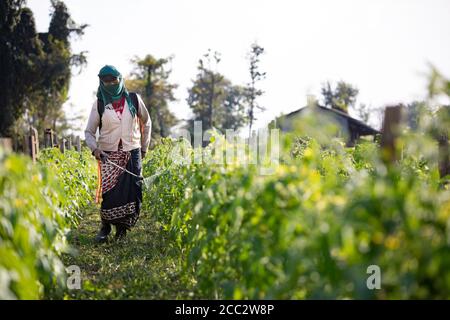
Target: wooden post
column 390, row 132
column 62, row 145
column 48, row 138
column 32, row 147
column 69, row 142
column 78, row 144
column 32, row 143
column 444, row 156
column 36, row 139
column 6, row 144
column 56, row 141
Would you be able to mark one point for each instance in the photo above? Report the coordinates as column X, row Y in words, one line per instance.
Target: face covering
column 113, row 92
column 113, row 89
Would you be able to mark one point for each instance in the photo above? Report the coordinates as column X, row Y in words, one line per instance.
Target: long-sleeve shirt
column 114, row 130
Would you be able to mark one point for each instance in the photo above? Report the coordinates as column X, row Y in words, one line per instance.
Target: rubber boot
column 102, row 235
column 121, row 232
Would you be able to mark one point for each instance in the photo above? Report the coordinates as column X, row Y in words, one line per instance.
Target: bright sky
column 382, row 47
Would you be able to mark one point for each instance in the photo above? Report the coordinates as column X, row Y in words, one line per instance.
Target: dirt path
column 139, row 267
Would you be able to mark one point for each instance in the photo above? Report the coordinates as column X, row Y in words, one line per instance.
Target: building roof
column 363, row 128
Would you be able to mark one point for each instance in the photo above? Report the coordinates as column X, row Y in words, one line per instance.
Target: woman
column 124, row 136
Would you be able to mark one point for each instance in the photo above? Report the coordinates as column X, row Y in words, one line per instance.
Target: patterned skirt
column 121, row 192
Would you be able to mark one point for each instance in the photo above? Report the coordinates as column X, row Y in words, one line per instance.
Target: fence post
column 390, row 133
column 6, row 144
column 444, row 156
column 48, row 138
column 36, row 140
column 62, row 145
column 32, row 143
column 69, row 142
column 78, row 144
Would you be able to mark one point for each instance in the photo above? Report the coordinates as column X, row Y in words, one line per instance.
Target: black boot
column 102, row 235
column 121, row 232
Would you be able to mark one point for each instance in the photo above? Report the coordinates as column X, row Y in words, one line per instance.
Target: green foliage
column 168, row 180
column 438, row 84
column 77, row 173
column 46, row 109
column 311, row 229
column 38, row 206
column 35, row 68
column 21, row 53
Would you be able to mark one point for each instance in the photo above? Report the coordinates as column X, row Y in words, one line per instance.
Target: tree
column 362, row 112
column 35, row 69
column 233, row 113
column 207, row 91
column 341, row 98
column 56, row 70
column 20, row 57
column 150, row 79
column 438, row 85
column 214, row 100
column 255, row 76
column 415, row 111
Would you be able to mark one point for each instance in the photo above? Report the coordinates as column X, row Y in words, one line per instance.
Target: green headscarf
column 110, row 93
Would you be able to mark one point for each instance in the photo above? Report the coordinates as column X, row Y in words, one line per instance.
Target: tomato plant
column 39, row 203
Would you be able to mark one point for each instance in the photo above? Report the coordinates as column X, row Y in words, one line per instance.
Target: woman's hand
column 100, row 155
column 143, row 153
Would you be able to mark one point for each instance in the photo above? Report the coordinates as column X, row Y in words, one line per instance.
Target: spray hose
column 124, row 169
column 147, row 182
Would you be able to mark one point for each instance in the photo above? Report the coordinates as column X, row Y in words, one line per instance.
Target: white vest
column 114, row 129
